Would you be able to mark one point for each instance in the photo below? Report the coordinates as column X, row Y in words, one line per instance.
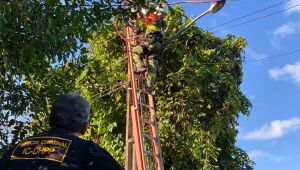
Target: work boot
column 142, row 99
column 149, row 89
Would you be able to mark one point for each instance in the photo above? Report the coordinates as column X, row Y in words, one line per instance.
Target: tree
column 35, row 37
column 198, row 97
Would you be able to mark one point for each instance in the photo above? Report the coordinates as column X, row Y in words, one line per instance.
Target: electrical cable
column 247, row 15
column 108, row 91
column 192, row 2
column 251, row 61
column 275, row 56
column 258, row 18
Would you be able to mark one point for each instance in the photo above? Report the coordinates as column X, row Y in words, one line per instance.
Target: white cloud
column 284, row 31
column 292, row 3
column 275, row 129
column 257, row 154
column 288, row 71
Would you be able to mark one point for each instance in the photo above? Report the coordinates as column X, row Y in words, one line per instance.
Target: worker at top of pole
column 150, row 45
column 60, row 147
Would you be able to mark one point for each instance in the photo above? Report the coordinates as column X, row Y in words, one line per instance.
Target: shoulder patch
column 49, row 148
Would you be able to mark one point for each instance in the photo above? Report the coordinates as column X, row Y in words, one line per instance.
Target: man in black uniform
column 61, row 148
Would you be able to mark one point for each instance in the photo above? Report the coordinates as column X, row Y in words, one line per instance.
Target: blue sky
column 271, row 134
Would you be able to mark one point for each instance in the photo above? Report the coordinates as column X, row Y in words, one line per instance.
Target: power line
column 192, row 2
column 258, row 18
column 108, row 91
column 247, row 15
column 275, row 56
column 250, row 61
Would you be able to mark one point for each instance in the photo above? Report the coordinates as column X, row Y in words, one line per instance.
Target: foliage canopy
column 37, row 39
column 197, row 94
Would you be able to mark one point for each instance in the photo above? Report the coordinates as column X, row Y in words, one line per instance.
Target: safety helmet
column 153, row 17
column 152, row 22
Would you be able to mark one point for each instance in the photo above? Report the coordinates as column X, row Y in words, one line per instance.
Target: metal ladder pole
column 141, row 128
column 136, row 124
column 154, row 135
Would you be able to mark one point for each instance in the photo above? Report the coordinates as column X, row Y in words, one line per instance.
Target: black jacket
column 58, row 149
